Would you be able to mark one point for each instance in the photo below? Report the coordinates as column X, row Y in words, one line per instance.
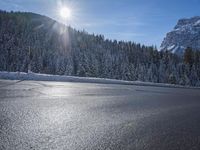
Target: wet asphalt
column 74, row 116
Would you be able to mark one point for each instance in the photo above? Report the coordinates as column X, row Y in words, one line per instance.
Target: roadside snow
column 46, row 77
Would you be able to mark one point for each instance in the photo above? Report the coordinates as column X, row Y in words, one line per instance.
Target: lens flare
column 65, row 13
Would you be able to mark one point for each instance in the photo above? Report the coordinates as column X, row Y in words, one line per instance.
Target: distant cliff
column 185, row 34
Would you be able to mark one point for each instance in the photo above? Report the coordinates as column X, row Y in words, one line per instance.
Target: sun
column 65, row 13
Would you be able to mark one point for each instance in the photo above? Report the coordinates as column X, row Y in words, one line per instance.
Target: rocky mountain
column 185, row 34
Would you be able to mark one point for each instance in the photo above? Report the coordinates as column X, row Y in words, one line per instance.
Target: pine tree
column 188, row 56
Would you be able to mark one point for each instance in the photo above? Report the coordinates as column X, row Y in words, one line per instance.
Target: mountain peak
column 185, row 34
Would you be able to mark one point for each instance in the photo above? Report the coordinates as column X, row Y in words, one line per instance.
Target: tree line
column 53, row 48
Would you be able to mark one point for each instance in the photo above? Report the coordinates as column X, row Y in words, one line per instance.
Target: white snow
column 175, row 49
column 46, row 77
column 197, row 23
column 177, row 29
column 170, row 47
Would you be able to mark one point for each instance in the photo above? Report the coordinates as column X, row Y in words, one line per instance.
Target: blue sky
column 143, row 21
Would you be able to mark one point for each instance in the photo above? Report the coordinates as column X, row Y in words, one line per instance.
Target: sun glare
column 65, row 13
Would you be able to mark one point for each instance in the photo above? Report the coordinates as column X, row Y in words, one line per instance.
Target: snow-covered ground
column 46, row 77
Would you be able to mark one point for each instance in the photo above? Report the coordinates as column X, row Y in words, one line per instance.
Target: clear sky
column 143, row 21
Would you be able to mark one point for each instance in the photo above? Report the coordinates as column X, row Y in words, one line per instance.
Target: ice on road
column 68, row 116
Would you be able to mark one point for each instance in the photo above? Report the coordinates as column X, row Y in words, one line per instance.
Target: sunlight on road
column 56, row 91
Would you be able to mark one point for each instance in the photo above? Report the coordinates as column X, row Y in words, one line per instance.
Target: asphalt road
column 75, row 116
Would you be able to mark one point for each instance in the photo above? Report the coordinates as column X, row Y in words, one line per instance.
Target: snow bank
column 46, row 77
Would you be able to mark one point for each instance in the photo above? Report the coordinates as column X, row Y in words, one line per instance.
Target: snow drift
column 62, row 78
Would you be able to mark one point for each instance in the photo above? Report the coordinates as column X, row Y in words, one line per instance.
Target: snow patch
column 175, row 49
column 197, row 23
column 177, row 29
column 170, row 47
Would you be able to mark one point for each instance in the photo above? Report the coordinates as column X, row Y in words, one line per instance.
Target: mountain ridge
column 185, row 34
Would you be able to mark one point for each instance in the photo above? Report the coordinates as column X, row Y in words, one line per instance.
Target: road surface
column 74, row 116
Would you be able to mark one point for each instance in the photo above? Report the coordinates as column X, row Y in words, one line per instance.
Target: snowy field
column 46, row 77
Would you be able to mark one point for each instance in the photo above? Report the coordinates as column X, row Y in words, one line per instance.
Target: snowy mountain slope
column 185, row 34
